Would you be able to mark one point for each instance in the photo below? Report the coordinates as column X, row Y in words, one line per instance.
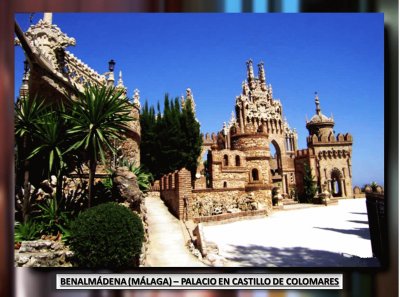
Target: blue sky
column 338, row 55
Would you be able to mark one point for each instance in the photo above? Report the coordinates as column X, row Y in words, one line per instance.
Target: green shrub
column 27, row 231
column 106, row 236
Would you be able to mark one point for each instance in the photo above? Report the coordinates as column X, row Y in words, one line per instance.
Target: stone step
column 289, row 202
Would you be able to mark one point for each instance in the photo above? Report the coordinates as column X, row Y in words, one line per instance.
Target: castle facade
column 239, row 155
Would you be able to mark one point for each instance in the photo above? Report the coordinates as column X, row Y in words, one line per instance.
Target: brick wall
column 187, row 203
column 174, row 189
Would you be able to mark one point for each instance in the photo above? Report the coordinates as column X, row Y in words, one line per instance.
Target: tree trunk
column 92, row 172
column 27, row 187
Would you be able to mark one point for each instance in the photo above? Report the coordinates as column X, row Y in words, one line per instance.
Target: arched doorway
column 275, row 164
column 336, row 183
column 276, row 157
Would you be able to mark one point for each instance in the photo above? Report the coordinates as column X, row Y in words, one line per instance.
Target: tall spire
column 48, row 17
column 250, row 71
column 261, row 72
column 317, row 107
column 261, row 76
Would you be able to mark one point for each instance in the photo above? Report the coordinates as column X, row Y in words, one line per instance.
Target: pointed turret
column 250, row 74
column 261, row 76
column 319, row 124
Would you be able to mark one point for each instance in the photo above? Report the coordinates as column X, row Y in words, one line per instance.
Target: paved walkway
column 321, row 236
column 167, row 243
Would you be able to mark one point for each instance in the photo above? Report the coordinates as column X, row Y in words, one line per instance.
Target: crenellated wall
column 330, row 139
column 176, row 191
column 187, row 203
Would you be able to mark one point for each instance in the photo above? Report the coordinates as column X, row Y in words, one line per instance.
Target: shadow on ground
column 361, row 232
column 359, row 213
column 358, row 222
column 260, row 256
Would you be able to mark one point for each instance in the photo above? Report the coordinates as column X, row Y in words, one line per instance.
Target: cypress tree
column 171, row 140
column 193, row 140
column 310, row 188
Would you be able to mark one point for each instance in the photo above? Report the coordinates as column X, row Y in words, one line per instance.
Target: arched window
column 254, row 174
column 237, row 161
column 226, row 162
column 225, row 184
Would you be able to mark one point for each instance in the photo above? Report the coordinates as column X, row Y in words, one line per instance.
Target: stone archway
column 336, row 183
column 278, row 179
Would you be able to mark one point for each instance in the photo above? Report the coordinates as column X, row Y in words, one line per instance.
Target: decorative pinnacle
column 136, row 98
column 120, row 81
column 261, row 72
column 250, row 71
column 317, row 107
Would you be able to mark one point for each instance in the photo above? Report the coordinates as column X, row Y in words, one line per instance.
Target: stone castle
column 239, row 155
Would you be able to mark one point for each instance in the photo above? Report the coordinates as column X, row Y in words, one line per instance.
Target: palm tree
column 27, row 112
column 98, row 115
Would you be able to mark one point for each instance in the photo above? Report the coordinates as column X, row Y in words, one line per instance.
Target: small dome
column 320, row 118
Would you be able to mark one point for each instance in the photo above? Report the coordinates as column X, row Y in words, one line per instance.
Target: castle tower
column 257, row 110
column 320, row 124
column 328, row 156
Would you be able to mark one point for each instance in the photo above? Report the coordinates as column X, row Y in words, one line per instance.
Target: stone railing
column 81, row 74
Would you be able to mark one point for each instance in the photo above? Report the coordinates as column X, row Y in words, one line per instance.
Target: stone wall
column 212, row 202
column 176, row 191
column 187, row 203
column 42, row 253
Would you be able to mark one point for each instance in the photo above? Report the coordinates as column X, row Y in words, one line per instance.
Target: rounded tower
column 320, row 124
